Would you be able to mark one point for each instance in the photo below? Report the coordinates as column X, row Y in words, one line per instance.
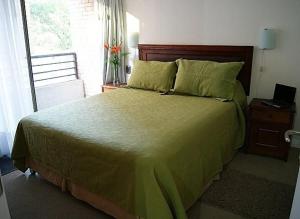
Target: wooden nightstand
column 266, row 127
column 109, row 87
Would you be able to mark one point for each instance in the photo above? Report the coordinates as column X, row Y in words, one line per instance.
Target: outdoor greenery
column 48, row 26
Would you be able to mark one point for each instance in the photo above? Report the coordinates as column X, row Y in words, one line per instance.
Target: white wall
column 58, row 93
column 229, row 22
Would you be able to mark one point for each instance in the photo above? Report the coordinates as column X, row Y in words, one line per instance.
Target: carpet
column 6, row 165
column 250, row 196
column 31, row 197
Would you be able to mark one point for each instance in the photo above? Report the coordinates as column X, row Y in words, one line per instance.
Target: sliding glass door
column 28, row 53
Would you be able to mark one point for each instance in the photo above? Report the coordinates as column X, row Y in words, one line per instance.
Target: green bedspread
column 151, row 154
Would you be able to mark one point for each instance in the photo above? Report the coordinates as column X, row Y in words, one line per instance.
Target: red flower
column 106, row 46
column 115, row 49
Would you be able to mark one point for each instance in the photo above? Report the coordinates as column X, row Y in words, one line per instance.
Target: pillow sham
column 153, row 75
column 207, row 78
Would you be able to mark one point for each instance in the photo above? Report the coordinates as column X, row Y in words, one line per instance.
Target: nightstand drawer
column 267, row 137
column 267, row 134
column 271, row 116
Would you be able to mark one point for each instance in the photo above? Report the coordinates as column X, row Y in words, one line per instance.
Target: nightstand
column 266, row 127
column 110, row 86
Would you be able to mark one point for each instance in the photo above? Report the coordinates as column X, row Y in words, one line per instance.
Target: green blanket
column 150, row 154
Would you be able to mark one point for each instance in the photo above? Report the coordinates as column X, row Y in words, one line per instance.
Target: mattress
column 148, row 153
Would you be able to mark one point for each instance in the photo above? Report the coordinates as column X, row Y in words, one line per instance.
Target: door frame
column 28, row 54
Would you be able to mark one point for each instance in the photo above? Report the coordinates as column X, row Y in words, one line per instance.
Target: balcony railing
column 54, row 68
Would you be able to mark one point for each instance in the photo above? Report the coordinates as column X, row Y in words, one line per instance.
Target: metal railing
column 54, row 68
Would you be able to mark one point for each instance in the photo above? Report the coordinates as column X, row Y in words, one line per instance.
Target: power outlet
column 128, row 69
column 261, row 68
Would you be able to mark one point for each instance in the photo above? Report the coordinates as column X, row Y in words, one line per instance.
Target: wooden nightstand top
column 110, row 86
column 256, row 103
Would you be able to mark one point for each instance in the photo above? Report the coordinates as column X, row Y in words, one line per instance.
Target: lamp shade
column 133, row 40
column 267, row 39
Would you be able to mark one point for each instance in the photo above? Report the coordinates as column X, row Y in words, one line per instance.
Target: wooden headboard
column 149, row 52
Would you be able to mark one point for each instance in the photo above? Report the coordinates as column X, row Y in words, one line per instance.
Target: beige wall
column 229, row 22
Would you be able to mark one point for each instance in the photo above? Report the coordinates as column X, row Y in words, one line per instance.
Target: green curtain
column 111, row 13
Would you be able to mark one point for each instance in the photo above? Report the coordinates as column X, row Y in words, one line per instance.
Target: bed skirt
column 83, row 194
column 80, row 192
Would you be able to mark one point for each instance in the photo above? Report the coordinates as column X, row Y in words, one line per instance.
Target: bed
column 135, row 153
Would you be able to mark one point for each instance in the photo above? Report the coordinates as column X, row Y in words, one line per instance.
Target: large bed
column 135, row 153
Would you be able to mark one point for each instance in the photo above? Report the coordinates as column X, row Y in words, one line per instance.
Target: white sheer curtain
column 15, row 93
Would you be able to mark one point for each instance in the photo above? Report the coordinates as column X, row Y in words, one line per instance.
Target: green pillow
column 207, row 78
column 153, row 75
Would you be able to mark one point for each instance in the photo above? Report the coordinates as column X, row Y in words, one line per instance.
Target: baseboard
column 296, row 141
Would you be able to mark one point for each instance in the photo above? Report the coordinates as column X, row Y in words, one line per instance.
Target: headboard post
column 150, row 52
